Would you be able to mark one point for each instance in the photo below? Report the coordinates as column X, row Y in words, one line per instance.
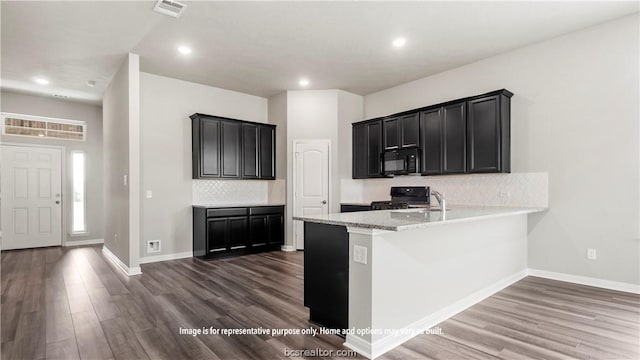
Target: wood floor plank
column 92, row 343
column 30, row 338
column 63, row 350
column 59, row 325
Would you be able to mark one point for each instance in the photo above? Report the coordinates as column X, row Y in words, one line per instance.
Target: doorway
column 310, row 182
column 31, row 189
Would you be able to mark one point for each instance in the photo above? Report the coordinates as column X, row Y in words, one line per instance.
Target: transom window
column 36, row 126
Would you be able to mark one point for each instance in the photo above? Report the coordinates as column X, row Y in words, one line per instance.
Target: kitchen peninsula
column 399, row 272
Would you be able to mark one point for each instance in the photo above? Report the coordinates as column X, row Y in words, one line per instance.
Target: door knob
column 57, row 201
column 324, row 202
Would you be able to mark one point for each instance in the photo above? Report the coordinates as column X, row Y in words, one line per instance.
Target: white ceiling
column 263, row 48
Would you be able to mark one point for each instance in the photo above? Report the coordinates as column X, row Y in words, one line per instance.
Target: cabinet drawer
column 265, row 210
column 226, row 212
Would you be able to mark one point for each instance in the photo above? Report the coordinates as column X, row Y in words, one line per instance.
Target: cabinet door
column 359, row 151
column 249, row 151
column 258, row 230
column 238, row 227
column 231, row 142
column 374, row 149
column 391, row 133
column 276, row 229
column 454, row 128
column 410, row 130
column 217, row 235
column 267, row 152
column 483, row 135
column 209, row 148
column 432, row 141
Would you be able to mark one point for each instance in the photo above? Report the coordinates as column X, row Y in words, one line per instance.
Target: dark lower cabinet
column 488, row 134
column 222, row 232
column 326, row 274
column 345, row 208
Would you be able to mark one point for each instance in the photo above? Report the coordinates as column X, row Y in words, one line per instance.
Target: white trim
column 585, row 280
column 129, row 271
column 156, row 258
column 373, row 350
column 83, row 242
column 84, row 195
column 288, row 248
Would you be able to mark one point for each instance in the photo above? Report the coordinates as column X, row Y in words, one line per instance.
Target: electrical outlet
column 591, row 254
column 360, row 254
column 504, row 194
column 153, row 246
column 124, row 179
column 149, row 194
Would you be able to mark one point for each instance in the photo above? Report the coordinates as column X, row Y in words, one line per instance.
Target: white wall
column 165, row 107
column 574, row 115
column 121, row 158
column 278, row 116
column 92, row 115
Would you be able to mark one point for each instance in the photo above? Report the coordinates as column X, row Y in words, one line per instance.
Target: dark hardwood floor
column 71, row 303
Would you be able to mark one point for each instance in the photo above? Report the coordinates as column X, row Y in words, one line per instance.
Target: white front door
column 31, row 191
column 311, row 183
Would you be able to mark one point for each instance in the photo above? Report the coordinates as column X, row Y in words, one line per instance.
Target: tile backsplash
column 230, row 192
column 516, row 189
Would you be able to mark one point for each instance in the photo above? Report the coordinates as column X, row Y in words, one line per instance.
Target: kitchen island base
column 415, row 279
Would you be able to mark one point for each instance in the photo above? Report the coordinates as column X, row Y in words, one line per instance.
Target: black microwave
column 401, row 162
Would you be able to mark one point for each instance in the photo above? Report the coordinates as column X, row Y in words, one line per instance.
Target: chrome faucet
column 441, row 200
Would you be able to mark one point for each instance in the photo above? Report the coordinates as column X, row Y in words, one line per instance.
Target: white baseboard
column 129, row 271
column 584, row 280
column 288, row 248
column 83, row 242
column 157, row 258
column 373, row 350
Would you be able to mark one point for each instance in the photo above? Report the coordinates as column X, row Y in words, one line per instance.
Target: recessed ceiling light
column 303, row 82
column 185, row 50
column 41, row 81
column 91, row 83
column 399, row 42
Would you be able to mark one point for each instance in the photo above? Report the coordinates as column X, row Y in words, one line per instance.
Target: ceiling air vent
column 171, row 8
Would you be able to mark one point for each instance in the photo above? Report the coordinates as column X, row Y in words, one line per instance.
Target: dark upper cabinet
column 454, row 148
column 374, row 149
column 250, row 144
column 469, row 135
column 402, row 131
column 391, row 133
column 367, row 150
column 206, row 148
column 267, row 151
column 443, row 133
column 488, row 134
column 232, row 149
column 359, row 151
column 432, row 141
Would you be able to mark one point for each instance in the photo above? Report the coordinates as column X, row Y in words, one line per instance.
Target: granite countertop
column 236, row 205
column 409, row 219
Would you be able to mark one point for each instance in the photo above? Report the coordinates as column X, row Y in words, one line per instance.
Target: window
column 79, row 209
column 36, row 126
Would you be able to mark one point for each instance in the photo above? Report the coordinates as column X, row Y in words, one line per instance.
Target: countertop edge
column 235, row 206
column 507, row 212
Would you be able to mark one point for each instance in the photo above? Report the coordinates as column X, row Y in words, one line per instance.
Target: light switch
column 360, row 254
column 124, row 179
column 149, row 194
